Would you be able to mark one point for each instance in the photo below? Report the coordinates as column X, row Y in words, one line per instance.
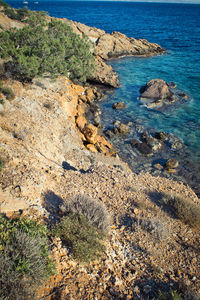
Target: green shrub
column 83, row 238
column 24, row 258
column 183, row 209
column 52, row 49
column 94, row 211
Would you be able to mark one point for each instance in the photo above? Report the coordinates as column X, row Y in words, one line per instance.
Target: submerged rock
column 171, row 163
column 119, row 105
column 121, row 128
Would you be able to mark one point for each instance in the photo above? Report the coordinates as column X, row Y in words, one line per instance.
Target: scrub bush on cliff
column 24, row 258
column 52, row 49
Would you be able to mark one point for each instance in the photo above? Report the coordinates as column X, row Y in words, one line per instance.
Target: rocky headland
column 51, row 152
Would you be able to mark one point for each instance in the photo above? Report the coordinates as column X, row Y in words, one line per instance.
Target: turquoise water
column 176, row 27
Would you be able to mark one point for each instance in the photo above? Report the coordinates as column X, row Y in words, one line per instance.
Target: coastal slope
column 46, row 161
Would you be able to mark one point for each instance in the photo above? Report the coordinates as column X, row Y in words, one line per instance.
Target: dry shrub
column 94, row 211
column 184, row 209
column 22, row 267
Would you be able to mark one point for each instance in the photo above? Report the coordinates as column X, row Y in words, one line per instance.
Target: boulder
column 81, row 122
column 157, row 93
column 121, row 128
column 144, row 148
column 161, row 136
column 90, row 132
column 171, row 163
column 119, row 105
column 156, row 89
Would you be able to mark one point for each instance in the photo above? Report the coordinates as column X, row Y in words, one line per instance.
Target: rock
column 91, row 148
column 97, row 121
column 81, row 122
column 90, row 132
column 108, row 133
column 158, row 166
column 161, row 136
column 172, row 84
column 171, row 163
column 119, row 105
column 104, row 74
column 144, row 148
column 152, row 142
column 121, row 128
column 134, row 142
column 156, row 89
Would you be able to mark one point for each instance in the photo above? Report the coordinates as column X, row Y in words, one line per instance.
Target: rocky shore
column 51, row 152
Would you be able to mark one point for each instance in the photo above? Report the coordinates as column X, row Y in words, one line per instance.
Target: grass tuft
column 184, row 209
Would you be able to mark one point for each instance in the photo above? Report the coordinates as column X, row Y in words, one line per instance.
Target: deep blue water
column 176, row 27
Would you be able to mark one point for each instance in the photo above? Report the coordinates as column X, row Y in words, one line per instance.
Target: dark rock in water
column 151, row 142
column 172, row 84
column 161, row 136
column 157, row 93
column 156, row 89
column 121, row 128
column 144, row 148
column 174, row 142
column 109, row 133
column 171, row 163
column 134, row 142
column 119, row 105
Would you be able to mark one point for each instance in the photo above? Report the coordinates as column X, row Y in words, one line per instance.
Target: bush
column 183, row 209
column 24, row 258
column 52, row 49
column 83, row 239
column 7, row 92
column 94, row 211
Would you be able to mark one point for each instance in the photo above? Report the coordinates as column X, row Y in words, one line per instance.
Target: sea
column 176, row 27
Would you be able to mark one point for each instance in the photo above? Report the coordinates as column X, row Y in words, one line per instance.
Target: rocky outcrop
column 157, row 93
column 107, row 46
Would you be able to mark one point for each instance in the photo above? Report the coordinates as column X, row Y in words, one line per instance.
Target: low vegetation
column 83, row 227
column 44, row 48
column 184, row 209
column 83, row 238
column 172, row 295
column 24, row 258
column 94, row 211
column 7, row 92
